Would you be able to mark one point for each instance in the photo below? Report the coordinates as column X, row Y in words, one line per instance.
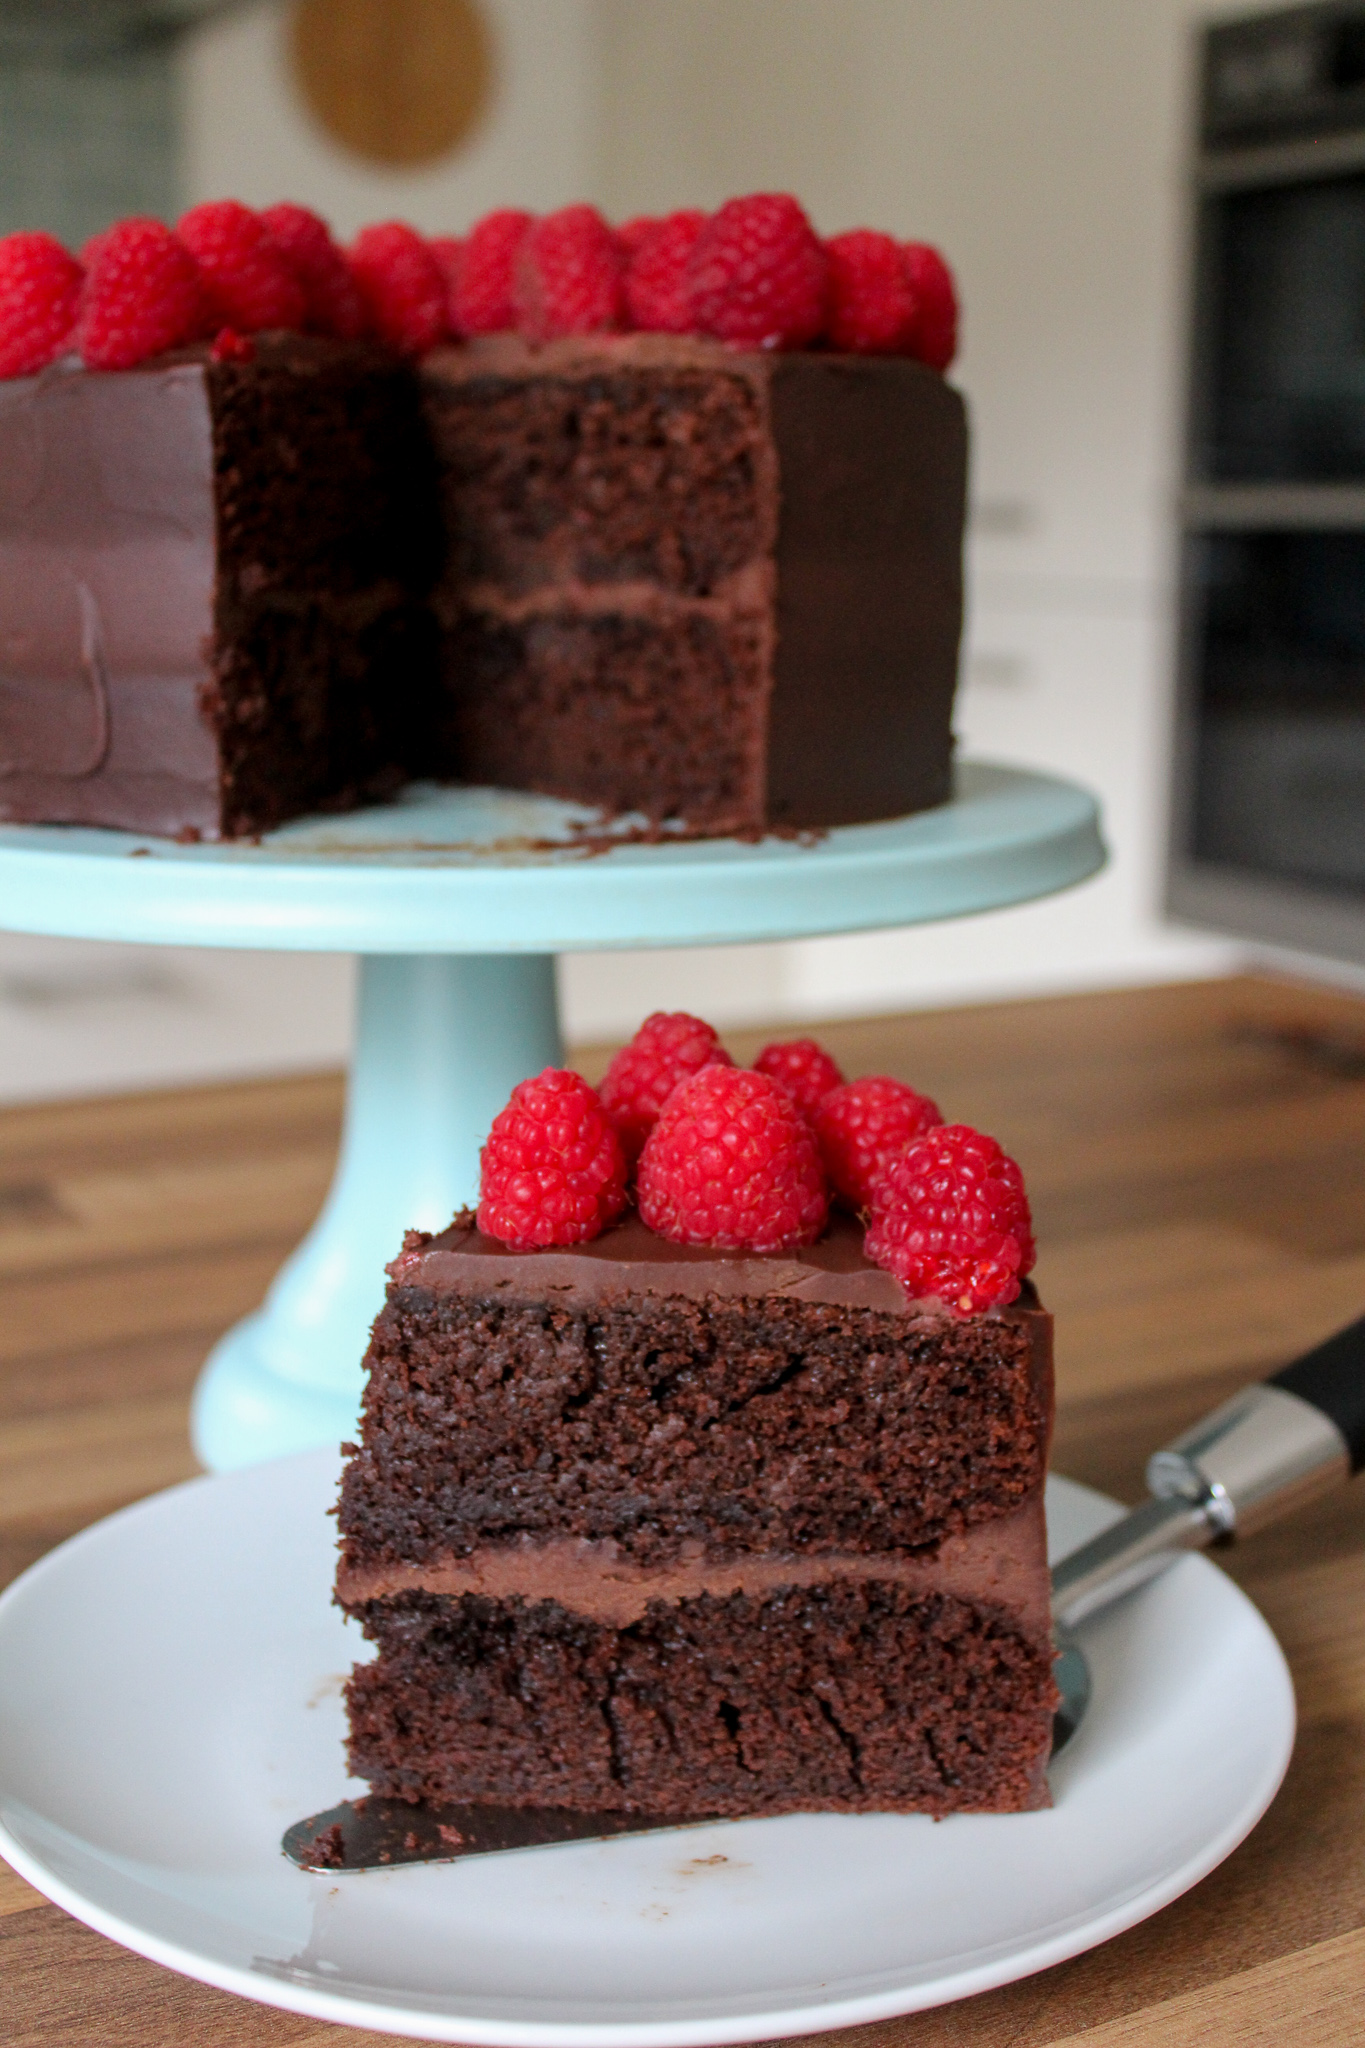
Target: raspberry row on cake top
column 754, row 274
column 665, row 520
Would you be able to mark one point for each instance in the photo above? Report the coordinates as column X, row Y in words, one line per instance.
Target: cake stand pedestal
column 457, row 901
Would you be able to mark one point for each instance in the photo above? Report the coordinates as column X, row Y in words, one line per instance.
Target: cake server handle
column 1270, row 1449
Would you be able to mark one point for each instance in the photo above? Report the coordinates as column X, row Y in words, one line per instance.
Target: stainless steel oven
column 1268, row 817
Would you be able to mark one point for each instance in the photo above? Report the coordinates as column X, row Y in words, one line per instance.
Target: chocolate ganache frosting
column 630, row 1259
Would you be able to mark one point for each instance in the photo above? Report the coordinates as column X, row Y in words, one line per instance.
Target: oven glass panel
column 1280, row 674
column 1287, row 368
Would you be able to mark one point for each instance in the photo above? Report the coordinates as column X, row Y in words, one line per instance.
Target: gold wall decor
column 395, row 81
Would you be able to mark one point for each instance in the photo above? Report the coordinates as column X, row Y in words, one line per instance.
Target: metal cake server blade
column 1269, row 1450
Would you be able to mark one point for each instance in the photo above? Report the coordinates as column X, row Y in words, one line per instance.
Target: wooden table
column 1196, row 1159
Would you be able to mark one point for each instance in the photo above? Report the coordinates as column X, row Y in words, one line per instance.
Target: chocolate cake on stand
column 457, row 900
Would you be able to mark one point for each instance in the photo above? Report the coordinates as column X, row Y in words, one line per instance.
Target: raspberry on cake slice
column 862, row 1125
column 804, row 1069
column 950, row 1217
column 731, row 1162
column 553, row 1170
column 706, row 1512
column 668, row 1047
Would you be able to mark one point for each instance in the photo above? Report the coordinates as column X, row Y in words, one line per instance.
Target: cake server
column 1270, row 1449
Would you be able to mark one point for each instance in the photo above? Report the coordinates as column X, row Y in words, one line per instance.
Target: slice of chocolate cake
column 714, row 587
column 213, row 578
column 647, row 1527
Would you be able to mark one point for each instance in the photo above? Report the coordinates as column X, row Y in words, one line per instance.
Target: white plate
column 169, row 1703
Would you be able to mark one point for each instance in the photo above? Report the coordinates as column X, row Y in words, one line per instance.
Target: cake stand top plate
column 467, row 870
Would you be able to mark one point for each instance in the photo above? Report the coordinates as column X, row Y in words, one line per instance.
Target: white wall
column 1042, row 143
column 249, row 135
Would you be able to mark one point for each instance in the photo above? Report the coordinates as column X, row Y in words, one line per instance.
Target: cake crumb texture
column 756, row 1424
column 853, row 1698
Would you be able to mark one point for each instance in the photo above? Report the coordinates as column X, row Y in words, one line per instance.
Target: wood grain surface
column 1196, row 1160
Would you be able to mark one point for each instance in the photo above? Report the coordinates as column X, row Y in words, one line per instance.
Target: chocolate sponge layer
column 851, row 1698
column 657, row 542
column 751, row 1424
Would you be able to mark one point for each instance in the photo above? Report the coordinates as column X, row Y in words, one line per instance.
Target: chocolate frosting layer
column 630, row 1259
column 1002, row 1563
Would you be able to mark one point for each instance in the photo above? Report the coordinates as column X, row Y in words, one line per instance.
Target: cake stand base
column 441, row 1041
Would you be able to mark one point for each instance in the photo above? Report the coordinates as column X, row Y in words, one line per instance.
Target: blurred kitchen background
column 1045, row 145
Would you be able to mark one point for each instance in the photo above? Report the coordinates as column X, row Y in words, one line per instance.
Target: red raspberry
column 568, row 276
column 249, row 282
column 401, row 287
column 950, row 1217
column 481, row 296
column 40, row 284
column 667, row 1048
column 231, row 347
column 448, row 250
column 142, row 294
column 758, row 275
column 332, row 303
column 872, row 306
column 632, row 233
column 804, row 1068
column 862, row 1125
column 732, row 1163
column 657, row 297
column 552, row 1171
column 934, row 336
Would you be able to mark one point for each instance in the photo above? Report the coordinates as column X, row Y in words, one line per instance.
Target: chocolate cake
column 716, row 588
column 213, row 582
column 711, row 586
column 638, row 1526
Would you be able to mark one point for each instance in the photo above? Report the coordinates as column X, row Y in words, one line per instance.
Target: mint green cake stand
column 457, row 901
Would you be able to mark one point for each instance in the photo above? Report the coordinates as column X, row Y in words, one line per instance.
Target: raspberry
column 401, row 287
column 862, row 1125
column 732, row 1163
column 872, row 305
column 552, row 1171
column 481, row 296
column 934, row 336
column 40, row 285
column 667, row 1048
column 568, row 276
column 950, row 1217
column 757, row 276
column 632, row 233
column 656, row 273
column 231, row 347
column 249, row 282
column 142, row 294
column 448, row 251
column 332, row 303
column 804, row 1068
